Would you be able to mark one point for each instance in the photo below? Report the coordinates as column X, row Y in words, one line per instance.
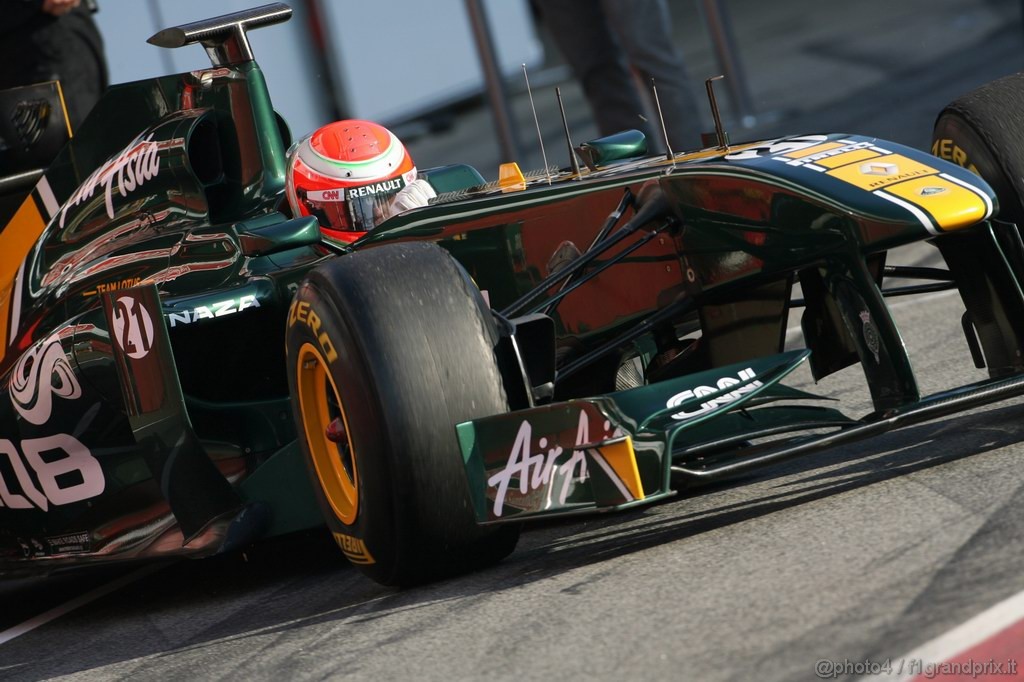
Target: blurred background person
column 615, row 48
column 47, row 40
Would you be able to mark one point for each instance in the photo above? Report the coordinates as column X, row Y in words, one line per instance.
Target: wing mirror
column 628, row 144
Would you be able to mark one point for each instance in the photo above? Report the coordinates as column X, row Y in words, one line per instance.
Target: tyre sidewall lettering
column 415, row 355
column 311, row 319
column 957, row 141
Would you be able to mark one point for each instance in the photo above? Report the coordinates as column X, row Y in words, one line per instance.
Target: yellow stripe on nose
column 882, row 172
column 951, row 205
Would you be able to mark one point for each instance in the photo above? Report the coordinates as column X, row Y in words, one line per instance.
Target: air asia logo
column 42, row 373
column 133, row 327
column 386, row 187
column 745, row 377
column 219, row 309
column 541, row 469
column 132, row 168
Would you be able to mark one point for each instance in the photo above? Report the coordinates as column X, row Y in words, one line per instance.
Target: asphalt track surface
column 859, row 553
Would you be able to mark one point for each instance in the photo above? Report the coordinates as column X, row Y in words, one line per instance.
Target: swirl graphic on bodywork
column 41, row 373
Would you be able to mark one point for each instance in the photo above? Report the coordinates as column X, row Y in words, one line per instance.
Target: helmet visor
column 355, row 209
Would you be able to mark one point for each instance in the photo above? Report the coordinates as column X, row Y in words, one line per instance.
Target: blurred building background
column 390, row 61
column 876, row 67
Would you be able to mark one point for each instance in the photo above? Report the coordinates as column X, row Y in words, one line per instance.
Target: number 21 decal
column 133, row 327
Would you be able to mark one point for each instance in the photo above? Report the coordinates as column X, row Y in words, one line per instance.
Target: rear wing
column 214, row 149
column 34, row 127
column 224, row 37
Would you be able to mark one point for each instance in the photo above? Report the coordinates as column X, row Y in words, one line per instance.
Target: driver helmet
column 346, row 174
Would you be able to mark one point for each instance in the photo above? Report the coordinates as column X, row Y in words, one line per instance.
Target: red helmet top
column 346, row 174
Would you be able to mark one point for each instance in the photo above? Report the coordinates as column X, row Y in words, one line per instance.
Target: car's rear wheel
column 984, row 132
column 388, row 349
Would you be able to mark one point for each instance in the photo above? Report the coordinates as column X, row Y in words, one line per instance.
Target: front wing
column 608, row 452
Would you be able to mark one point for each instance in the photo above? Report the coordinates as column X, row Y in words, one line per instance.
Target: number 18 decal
column 64, row 469
column 58, row 483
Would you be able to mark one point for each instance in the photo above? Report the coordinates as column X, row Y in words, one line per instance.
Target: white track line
column 58, row 611
column 960, row 639
column 11, row 667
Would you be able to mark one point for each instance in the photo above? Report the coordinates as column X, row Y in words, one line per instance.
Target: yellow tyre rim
column 326, row 429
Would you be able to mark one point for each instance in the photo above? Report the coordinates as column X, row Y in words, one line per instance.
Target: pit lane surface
column 860, row 553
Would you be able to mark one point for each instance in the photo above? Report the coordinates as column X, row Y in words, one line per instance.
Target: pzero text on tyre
column 983, row 131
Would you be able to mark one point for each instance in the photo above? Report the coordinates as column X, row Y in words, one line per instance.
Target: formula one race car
column 186, row 368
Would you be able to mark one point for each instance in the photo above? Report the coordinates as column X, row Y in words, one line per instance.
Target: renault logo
column 879, row 168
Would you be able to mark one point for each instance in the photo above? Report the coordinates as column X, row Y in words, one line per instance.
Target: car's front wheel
column 388, row 349
column 984, row 132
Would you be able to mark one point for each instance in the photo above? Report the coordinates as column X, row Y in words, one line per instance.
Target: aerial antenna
column 723, row 138
column 536, row 122
column 568, row 137
column 669, row 156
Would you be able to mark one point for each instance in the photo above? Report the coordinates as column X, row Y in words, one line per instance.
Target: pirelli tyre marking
column 354, row 549
column 950, row 151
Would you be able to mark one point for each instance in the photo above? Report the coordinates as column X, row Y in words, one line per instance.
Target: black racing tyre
column 388, row 349
column 984, row 132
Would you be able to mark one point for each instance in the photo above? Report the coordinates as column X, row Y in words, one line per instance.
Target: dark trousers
column 66, row 49
column 605, row 42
